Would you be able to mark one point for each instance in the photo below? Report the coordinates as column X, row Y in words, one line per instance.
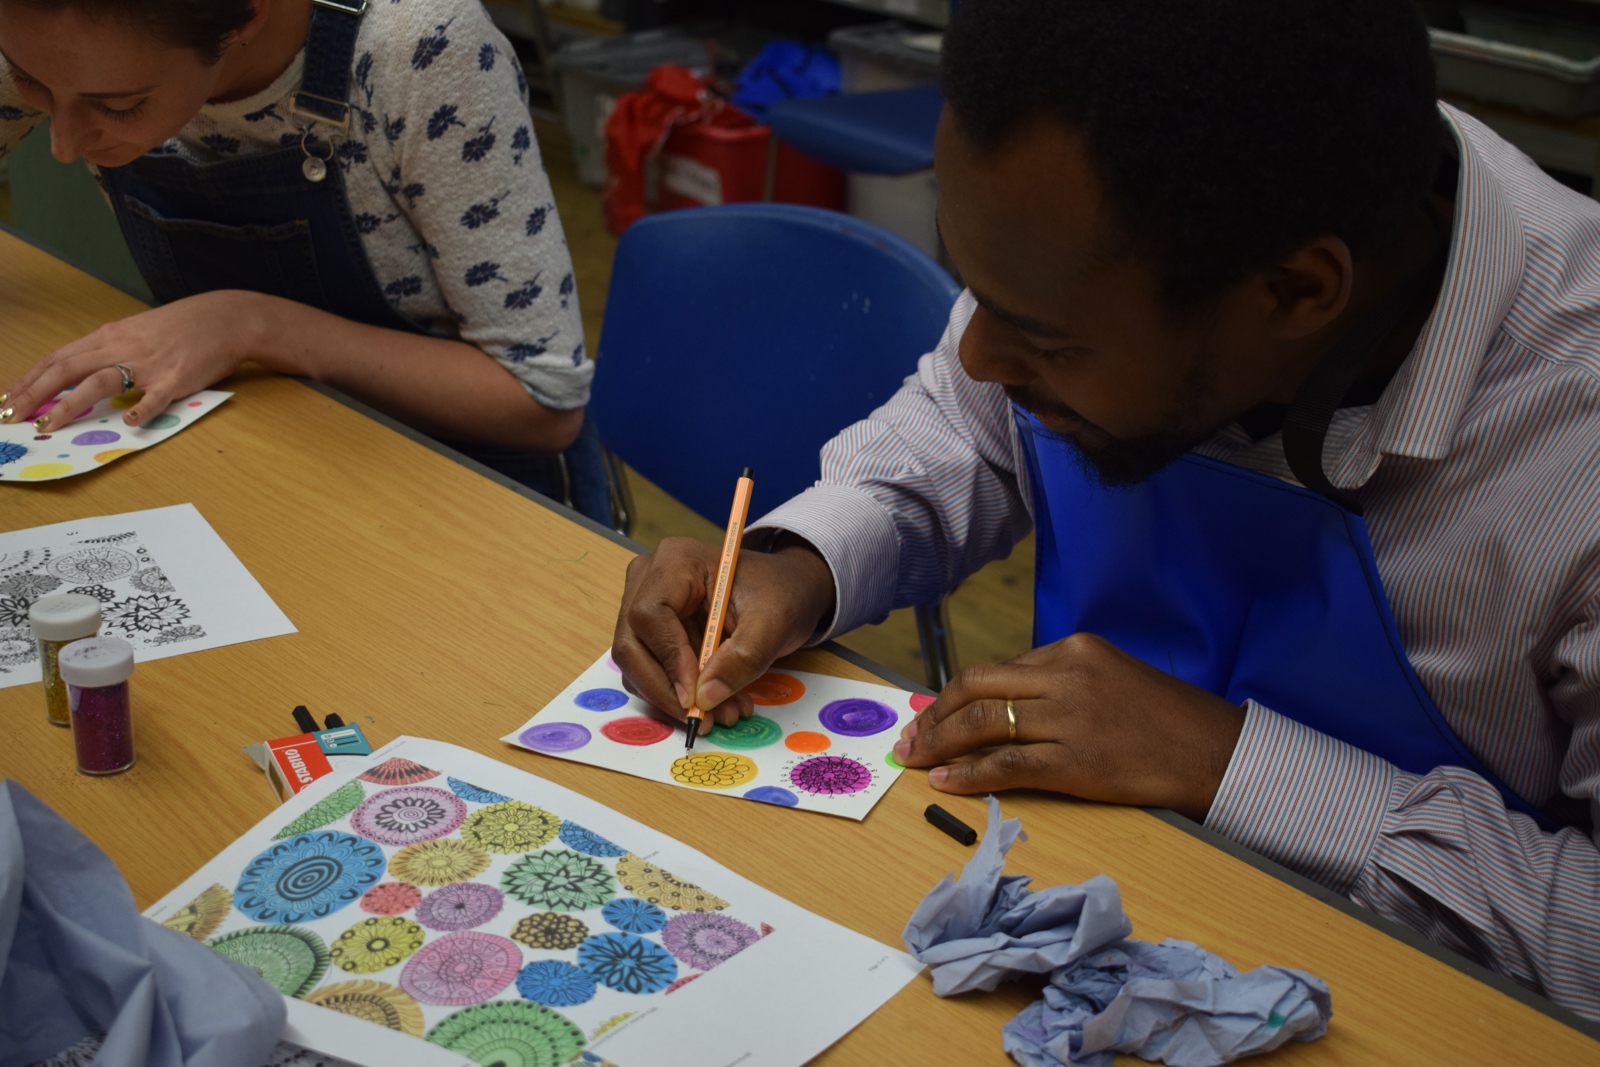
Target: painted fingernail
column 683, row 694
column 5, row 416
column 5, row 396
column 44, row 421
column 902, row 749
column 937, row 776
column 713, row 693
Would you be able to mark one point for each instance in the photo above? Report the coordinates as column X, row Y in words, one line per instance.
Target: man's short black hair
column 1225, row 133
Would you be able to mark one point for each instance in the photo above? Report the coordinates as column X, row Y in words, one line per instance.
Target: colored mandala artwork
column 10, row 453
column 397, row 771
column 146, row 614
column 601, row 699
column 510, row 827
column 773, row 794
column 555, row 983
column 830, row 775
column 390, row 898
column 17, row 646
column 757, row 731
column 307, row 877
column 647, row 881
column 292, row 959
column 588, row 842
column 376, row 944
column 408, row 814
column 556, row 737
column 559, row 880
column 151, row 580
column 460, row 906
column 857, row 717
column 550, row 929
column 627, row 963
column 713, row 770
column 173, row 634
column 634, row 916
column 461, row 969
column 510, row 1033
column 336, row 805
column 703, row 941
column 637, row 730
column 611, row 1024
column 438, row 862
column 101, row 563
column 29, row 586
column 376, row 1002
column 468, row 791
column 680, row 983
column 201, row 916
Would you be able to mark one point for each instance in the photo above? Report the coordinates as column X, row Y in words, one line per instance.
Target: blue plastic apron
column 279, row 223
column 1244, row 585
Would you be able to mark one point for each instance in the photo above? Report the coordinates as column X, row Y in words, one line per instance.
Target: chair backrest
column 751, row 334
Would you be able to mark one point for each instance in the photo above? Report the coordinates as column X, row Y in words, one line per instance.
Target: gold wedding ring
column 1011, row 722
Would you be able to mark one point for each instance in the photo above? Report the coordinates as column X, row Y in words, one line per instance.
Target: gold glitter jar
column 57, row 621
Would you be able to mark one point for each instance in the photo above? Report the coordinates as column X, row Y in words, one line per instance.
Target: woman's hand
column 171, row 351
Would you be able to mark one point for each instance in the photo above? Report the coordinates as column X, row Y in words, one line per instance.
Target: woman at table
column 351, row 196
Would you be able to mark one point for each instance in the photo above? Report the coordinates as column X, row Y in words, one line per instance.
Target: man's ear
column 1307, row 291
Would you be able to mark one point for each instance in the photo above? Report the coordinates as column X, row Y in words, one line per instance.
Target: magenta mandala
column 407, row 815
column 460, row 906
column 831, row 775
column 397, row 771
column 461, row 969
column 705, row 939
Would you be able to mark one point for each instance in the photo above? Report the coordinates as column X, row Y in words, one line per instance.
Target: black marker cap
column 303, row 719
column 950, row 824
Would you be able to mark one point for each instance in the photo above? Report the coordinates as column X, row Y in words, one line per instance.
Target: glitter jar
column 96, row 672
column 57, row 621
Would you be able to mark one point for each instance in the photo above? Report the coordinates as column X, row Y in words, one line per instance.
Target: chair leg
column 621, row 493
column 770, row 181
column 938, row 643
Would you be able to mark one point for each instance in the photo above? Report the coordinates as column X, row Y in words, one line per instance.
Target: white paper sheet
column 816, row 742
column 165, row 580
column 97, row 438
column 730, row 973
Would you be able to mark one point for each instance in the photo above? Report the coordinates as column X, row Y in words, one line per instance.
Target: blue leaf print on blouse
column 367, row 222
column 536, row 220
column 369, row 121
column 521, row 353
column 486, row 54
column 221, row 143
column 577, row 355
column 522, row 79
column 12, row 114
column 410, row 191
column 483, row 273
column 518, row 299
column 440, row 121
column 364, row 72
column 410, row 285
column 475, row 148
column 288, row 138
column 482, row 214
column 413, row 190
column 430, row 46
column 351, row 153
column 393, row 128
column 521, row 141
column 565, row 289
column 425, row 248
column 268, row 112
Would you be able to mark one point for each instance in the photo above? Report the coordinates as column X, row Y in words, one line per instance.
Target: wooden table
column 432, row 601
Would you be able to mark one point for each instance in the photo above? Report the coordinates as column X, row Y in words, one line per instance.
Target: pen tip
column 693, row 730
column 748, row 473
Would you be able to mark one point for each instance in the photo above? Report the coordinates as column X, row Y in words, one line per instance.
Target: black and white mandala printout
column 165, row 581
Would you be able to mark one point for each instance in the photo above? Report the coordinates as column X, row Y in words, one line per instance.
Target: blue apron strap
column 324, row 92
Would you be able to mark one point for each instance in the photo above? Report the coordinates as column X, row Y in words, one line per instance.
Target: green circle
column 105, row 420
column 513, row 1033
column 891, row 761
column 290, row 958
column 160, row 422
column 757, row 731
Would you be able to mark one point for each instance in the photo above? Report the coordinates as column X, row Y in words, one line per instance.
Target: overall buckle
column 341, row 107
column 347, row 7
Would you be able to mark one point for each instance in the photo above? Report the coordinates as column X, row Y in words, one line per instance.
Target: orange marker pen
column 719, row 594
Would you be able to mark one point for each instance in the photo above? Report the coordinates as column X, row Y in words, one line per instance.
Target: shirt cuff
column 857, row 539
column 1307, row 800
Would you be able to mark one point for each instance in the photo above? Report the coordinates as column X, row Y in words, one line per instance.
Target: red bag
column 636, row 130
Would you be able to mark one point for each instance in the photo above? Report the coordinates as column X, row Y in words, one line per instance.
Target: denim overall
column 279, row 222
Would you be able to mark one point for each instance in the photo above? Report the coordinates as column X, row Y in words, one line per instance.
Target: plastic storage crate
column 1508, row 57
column 724, row 161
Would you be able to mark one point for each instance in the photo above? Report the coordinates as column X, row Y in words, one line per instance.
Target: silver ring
column 127, row 377
column 1011, row 722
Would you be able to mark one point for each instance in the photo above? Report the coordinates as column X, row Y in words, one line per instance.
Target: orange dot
column 807, row 741
column 773, row 688
column 112, row 453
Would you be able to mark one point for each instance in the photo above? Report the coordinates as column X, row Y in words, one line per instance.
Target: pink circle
column 830, row 775
column 918, row 701
column 461, row 969
column 460, row 906
column 612, row 664
column 408, row 814
column 390, row 898
column 196, row 403
column 637, row 730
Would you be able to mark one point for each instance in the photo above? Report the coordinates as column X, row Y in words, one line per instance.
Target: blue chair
column 889, row 132
column 751, row 334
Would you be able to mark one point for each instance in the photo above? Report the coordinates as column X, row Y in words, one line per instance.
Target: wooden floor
column 991, row 614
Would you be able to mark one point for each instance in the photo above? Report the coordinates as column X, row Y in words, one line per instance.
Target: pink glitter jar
column 96, row 671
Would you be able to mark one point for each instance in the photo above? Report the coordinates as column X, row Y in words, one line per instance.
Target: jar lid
column 66, row 617
column 96, row 662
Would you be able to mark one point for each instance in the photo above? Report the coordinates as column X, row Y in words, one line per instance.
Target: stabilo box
column 292, row 763
column 723, row 160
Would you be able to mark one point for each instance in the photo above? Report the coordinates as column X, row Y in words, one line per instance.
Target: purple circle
column 408, row 814
column 831, row 775
column 556, row 737
column 857, row 717
column 601, row 699
column 461, row 969
column 460, row 906
column 772, row 794
column 97, row 437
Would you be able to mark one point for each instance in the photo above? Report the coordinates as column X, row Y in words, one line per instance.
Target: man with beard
column 1296, row 374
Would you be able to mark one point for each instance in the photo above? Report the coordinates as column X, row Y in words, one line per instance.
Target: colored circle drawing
column 124, row 401
column 376, row 944
column 510, row 827
column 408, row 814
column 438, row 862
column 292, row 959
column 96, row 563
column 648, row 882
column 807, row 741
column 588, row 842
column 461, row 969
column 830, row 775
column 639, row 730
column 555, row 737
column 634, row 916
column 627, row 963
column 703, row 941
column 550, row 930
column 45, row 470
column 757, row 731
column 713, row 770
column 97, row 437
column 891, row 761
column 460, row 906
column 307, row 877
column 161, row 422
column 390, row 898
column 773, row 794
column 376, row 1002
column 773, row 689
column 559, row 880
column 601, row 699
column 10, row 452
column 511, row 1033
column 555, row 983
column 468, row 791
column 397, row 771
column 336, row 805
column 201, row 916
column 918, row 701
column 857, row 716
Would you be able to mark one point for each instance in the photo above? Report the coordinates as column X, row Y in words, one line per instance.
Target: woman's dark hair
column 1225, row 133
column 201, row 25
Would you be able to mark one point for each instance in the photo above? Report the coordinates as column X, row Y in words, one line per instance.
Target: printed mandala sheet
column 165, row 580
column 428, row 892
column 94, row 439
column 816, row 742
